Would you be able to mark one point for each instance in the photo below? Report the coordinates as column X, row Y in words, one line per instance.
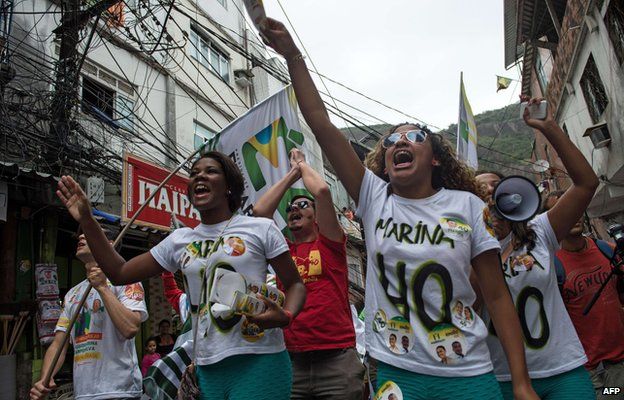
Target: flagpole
column 461, row 80
column 67, row 334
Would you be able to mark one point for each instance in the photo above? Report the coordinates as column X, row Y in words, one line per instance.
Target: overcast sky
column 406, row 53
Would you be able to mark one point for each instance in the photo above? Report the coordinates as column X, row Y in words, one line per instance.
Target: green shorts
column 571, row 385
column 416, row 386
column 247, row 376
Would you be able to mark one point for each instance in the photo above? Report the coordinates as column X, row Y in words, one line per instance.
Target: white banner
column 259, row 143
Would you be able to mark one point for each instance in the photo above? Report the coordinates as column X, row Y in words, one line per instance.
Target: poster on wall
column 140, row 179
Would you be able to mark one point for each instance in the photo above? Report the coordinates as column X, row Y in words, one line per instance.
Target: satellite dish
column 541, row 166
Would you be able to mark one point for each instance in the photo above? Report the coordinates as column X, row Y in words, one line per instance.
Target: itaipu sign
column 140, row 179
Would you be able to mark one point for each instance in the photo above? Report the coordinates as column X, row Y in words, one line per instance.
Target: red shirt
column 601, row 330
column 325, row 321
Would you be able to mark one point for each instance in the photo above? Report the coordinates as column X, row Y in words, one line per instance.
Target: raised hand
column 275, row 34
column 73, row 198
column 296, row 156
column 542, row 125
column 273, row 317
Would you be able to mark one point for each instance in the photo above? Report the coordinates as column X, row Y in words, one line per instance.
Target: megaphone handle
column 591, row 303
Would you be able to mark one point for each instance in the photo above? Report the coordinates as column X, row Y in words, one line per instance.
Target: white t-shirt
column 247, row 244
column 418, row 295
column 551, row 343
column 105, row 362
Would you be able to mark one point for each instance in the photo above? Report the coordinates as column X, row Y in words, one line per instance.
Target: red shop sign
column 140, row 179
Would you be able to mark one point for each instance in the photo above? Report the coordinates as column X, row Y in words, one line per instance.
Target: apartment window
column 355, row 270
column 541, row 73
column 202, row 134
column 209, row 55
column 593, row 90
column 614, row 20
column 97, row 99
column 106, row 105
column 223, row 3
column 124, row 108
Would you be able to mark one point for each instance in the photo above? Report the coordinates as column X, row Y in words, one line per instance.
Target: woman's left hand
column 273, row 317
column 543, row 125
column 525, row 392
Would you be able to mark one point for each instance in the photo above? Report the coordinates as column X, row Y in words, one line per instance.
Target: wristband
column 297, row 57
column 290, row 318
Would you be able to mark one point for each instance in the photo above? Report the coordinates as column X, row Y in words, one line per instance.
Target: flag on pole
column 466, row 130
column 259, row 143
column 502, row 82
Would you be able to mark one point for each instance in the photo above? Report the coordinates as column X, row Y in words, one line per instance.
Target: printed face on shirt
column 457, row 349
column 404, row 160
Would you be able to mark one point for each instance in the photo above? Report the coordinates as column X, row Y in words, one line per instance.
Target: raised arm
column 575, row 200
column 327, row 221
column 118, row 270
column 335, row 146
column 126, row 321
column 267, row 204
column 505, row 318
column 172, row 291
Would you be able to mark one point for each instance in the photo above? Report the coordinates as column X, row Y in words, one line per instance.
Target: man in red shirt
column 583, row 268
column 321, row 340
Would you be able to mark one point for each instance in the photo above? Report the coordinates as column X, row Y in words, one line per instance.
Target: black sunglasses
column 302, row 205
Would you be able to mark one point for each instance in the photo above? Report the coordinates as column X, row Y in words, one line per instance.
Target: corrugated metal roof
column 512, row 51
column 14, row 169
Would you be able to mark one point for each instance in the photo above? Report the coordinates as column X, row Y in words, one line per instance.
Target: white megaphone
column 516, row 198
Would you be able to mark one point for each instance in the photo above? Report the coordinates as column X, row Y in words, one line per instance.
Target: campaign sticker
column 389, row 391
column 447, row 344
column 455, row 228
column 251, row 332
column 487, row 219
column 379, row 321
column 524, row 262
column 399, row 335
column 234, row 246
column 134, row 292
column 463, row 316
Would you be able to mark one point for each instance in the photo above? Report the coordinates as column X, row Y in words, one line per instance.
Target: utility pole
column 68, row 71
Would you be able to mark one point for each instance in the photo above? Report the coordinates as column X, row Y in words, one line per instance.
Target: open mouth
column 294, row 217
column 80, row 245
column 402, row 158
column 200, row 189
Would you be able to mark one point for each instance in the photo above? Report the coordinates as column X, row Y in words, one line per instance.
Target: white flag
column 466, row 130
column 259, row 143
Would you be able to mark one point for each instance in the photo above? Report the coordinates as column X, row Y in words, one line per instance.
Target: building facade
column 155, row 79
column 572, row 54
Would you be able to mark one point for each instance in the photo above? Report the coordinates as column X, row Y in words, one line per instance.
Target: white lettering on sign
column 167, row 200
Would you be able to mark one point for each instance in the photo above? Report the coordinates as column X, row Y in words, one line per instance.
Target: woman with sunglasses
column 230, row 362
column 424, row 228
column 554, row 353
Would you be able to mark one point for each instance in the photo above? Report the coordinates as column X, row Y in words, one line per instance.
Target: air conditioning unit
column 599, row 135
column 242, row 77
